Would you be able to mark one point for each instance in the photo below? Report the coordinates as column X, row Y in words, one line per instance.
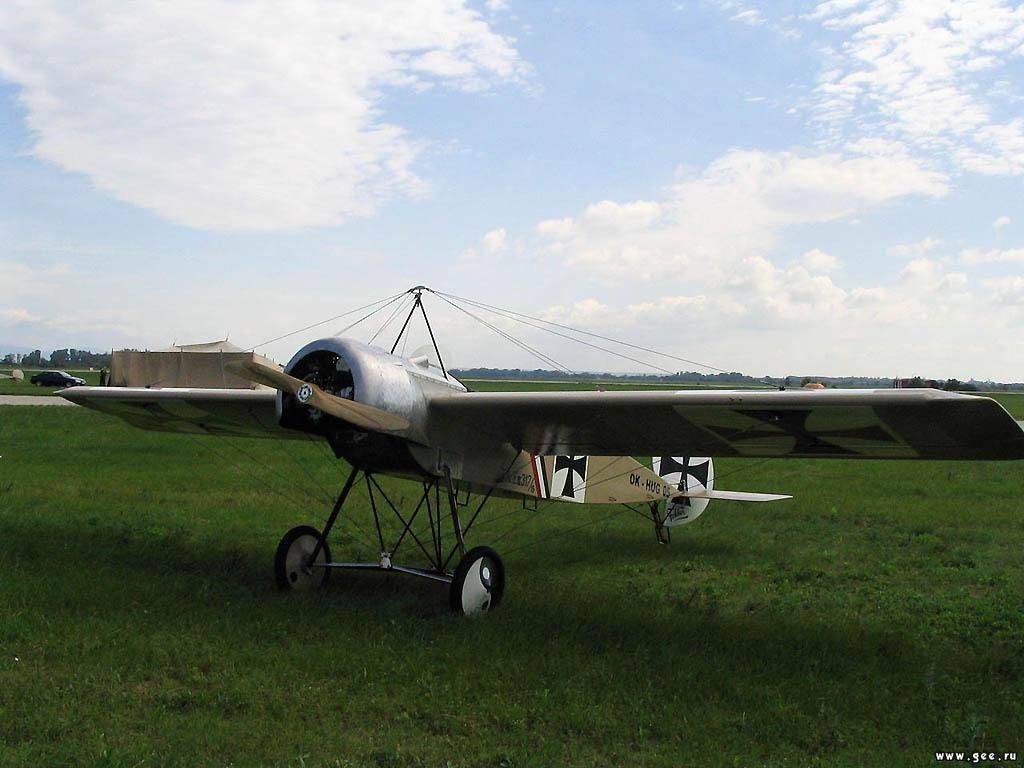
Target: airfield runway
column 33, row 400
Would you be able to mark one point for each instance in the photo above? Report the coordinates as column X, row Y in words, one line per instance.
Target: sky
column 776, row 188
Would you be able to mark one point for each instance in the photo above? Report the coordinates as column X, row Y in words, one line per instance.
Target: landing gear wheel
column 292, row 560
column 478, row 583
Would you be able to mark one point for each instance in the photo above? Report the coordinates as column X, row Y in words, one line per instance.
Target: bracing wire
column 401, row 306
column 328, row 320
column 521, row 344
column 370, row 314
column 578, row 341
column 563, row 534
column 511, row 313
column 263, row 479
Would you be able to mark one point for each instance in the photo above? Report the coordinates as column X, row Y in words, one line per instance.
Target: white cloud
column 15, row 315
column 1008, row 291
column 769, row 318
column 817, row 261
column 921, row 247
column 225, row 115
column 586, row 312
column 749, row 16
column 919, row 72
column 736, row 208
column 494, row 240
column 738, row 12
column 24, row 281
column 1002, row 221
column 993, row 256
column 721, row 232
column 665, row 307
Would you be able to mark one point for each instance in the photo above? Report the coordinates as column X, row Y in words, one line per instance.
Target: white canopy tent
column 183, row 365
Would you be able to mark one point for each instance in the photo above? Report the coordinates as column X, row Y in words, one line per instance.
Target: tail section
column 690, row 475
column 694, row 481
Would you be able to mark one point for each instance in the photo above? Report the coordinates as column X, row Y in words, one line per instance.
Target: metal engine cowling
column 356, row 371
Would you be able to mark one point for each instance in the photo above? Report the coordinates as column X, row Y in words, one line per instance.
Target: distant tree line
column 60, row 358
column 539, row 373
column 82, row 358
column 844, row 382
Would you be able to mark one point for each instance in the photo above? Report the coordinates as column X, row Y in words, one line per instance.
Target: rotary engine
column 355, row 371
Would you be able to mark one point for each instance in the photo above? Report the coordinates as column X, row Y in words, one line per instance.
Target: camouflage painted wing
column 230, row 412
column 885, row 424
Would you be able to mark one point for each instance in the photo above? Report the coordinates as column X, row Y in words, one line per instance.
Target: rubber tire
column 281, row 574
column 462, row 571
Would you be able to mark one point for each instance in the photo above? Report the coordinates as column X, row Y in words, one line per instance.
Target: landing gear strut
column 303, row 561
column 662, row 533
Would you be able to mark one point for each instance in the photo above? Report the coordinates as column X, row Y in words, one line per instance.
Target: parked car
column 56, row 379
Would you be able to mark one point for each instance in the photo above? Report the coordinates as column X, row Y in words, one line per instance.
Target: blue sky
column 829, row 187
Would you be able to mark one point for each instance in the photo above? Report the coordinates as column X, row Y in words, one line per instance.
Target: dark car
column 56, row 379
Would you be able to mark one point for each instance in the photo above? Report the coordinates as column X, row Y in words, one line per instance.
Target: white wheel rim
column 476, row 596
column 300, row 576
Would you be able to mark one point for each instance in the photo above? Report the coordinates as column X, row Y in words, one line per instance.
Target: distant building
column 915, row 383
column 183, row 365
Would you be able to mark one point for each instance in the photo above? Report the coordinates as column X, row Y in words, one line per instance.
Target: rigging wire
column 401, row 306
column 585, row 343
column 324, row 322
column 328, row 496
column 370, row 314
column 563, row 534
column 592, row 482
column 523, row 345
column 259, row 478
column 509, row 312
column 523, row 319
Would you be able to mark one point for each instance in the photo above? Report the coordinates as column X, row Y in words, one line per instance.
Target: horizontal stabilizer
column 733, row 496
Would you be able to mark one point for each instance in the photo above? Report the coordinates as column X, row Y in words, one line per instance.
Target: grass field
column 873, row 620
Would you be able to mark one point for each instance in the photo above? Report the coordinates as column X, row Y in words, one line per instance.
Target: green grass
column 876, row 618
column 11, row 387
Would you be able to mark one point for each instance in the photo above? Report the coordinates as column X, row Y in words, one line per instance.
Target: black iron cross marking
column 699, row 472
column 576, row 465
column 794, row 424
column 668, row 464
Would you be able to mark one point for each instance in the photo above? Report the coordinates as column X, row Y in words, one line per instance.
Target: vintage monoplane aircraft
column 408, row 417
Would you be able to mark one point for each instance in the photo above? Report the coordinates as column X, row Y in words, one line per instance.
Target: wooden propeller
column 358, row 414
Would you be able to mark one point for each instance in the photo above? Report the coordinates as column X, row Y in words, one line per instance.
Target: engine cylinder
column 347, row 368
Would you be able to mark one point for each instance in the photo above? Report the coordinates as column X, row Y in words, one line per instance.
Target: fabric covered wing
column 231, row 412
column 887, row 424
